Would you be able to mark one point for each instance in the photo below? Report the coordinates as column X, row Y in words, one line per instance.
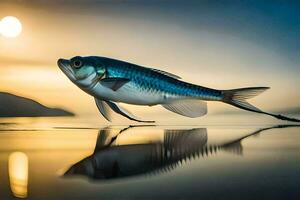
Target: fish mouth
column 65, row 66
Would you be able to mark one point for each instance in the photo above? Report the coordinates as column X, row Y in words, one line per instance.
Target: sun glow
column 10, row 27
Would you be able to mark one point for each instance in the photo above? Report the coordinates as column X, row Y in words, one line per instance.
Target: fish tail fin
column 238, row 98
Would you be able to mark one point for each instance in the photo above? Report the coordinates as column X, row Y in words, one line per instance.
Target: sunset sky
column 220, row 45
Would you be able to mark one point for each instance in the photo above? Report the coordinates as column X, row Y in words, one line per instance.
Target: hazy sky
column 220, row 44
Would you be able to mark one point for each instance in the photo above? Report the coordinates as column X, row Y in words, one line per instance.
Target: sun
column 10, row 27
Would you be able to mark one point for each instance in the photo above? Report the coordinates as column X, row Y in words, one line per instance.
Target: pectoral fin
column 103, row 140
column 189, row 107
column 114, row 83
column 105, row 108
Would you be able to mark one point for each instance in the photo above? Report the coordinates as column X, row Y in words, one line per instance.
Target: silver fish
column 111, row 81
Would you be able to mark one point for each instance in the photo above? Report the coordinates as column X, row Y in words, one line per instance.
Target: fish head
column 102, row 165
column 84, row 167
column 83, row 71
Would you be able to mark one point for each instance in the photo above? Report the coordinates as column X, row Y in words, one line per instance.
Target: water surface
column 42, row 160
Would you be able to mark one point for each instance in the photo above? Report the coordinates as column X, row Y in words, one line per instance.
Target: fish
column 116, row 160
column 111, row 81
column 111, row 161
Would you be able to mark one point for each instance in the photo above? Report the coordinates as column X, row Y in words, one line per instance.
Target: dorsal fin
column 166, row 73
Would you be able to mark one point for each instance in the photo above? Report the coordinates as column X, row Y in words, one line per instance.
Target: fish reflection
column 111, row 160
column 18, row 174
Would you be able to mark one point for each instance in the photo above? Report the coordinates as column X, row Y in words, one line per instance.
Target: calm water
column 43, row 159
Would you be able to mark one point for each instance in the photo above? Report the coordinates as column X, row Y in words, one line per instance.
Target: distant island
column 16, row 106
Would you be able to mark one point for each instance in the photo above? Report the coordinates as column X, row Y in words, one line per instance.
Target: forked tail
column 238, row 97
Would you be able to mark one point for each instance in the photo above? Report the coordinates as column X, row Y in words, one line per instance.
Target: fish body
column 114, row 159
column 117, row 161
column 147, row 86
column 125, row 161
column 111, row 81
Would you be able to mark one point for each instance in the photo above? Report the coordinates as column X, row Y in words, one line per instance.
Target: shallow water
column 44, row 159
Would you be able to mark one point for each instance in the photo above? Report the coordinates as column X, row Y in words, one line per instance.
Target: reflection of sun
column 18, row 174
column 10, row 27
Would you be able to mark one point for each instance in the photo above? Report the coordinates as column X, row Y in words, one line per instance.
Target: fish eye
column 77, row 63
